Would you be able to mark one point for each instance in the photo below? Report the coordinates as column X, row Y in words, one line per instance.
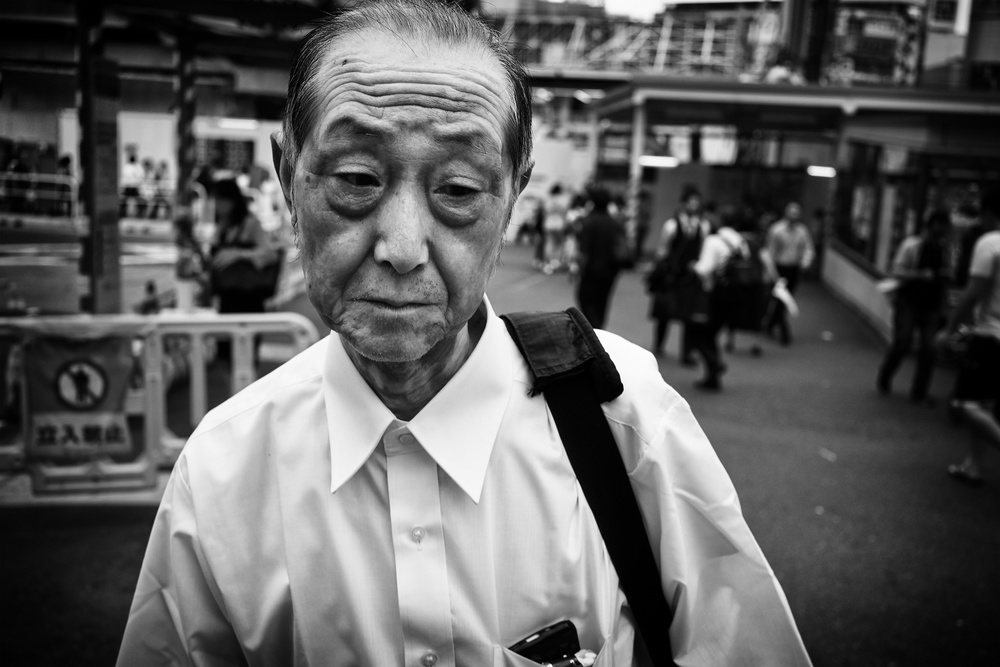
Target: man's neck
column 406, row 387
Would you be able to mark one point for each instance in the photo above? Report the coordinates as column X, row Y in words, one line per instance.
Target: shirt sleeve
column 808, row 250
column 265, row 250
column 729, row 608
column 985, row 256
column 771, row 242
column 175, row 617
column 713, row 250
column 666, row 235
column 906, row 257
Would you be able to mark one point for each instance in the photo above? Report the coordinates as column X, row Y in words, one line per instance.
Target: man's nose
column 403, row 226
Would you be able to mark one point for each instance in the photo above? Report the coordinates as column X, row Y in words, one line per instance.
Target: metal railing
column 51, row 195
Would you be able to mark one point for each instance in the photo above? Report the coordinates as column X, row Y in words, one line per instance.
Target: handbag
column 245, row 276
column 659, row 278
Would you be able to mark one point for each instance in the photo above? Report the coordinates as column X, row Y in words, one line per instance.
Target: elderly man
column 393, row 495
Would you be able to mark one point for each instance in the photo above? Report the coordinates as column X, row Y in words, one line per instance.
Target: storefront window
column 888, row 191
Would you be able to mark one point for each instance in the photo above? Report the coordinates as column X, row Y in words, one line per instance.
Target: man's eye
column 359, row 179
column 457, row 190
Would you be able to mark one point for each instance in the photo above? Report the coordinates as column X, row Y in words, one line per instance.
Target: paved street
column 884, row 559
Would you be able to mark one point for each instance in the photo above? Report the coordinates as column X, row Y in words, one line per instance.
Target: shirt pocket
column 504, row 657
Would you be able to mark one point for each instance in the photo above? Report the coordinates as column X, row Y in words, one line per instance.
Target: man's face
column 793, row 212
column 402, row 191
column 692, row 204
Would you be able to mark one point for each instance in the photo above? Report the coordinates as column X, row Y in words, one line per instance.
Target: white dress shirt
column 304, row 525
column 790, row 244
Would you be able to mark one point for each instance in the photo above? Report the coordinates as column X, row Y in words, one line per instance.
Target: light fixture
column 237, row 124
column 821, row 172
column 543, row 95
column 658, row 161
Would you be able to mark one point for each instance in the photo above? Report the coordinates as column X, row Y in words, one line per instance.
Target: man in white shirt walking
column 394, row 494
column 791, row 247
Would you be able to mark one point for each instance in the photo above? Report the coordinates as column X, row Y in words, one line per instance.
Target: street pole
column 98, row 94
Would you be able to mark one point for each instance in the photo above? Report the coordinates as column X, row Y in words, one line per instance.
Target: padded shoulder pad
column 558, row 345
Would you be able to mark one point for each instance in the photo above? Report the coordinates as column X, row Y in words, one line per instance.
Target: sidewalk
column 884, row 558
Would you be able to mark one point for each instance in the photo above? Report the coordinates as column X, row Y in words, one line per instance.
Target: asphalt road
column 884, row 559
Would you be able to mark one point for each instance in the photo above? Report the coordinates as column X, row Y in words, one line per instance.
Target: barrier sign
column 76, row 397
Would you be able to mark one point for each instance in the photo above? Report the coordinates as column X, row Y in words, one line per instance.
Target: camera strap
column 575, row 374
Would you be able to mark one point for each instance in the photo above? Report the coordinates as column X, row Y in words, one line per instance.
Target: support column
column 98, row 95
column 184, row 101
column 635, row 169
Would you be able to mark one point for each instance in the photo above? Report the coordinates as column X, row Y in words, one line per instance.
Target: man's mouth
column 395, row 304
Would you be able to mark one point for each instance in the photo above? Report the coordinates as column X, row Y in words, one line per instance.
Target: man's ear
column 523, row 180
column 281, row 166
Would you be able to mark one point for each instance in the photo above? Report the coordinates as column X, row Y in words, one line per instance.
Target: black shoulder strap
column 575, row 374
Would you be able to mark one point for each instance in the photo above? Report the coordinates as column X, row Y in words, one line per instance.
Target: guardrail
column 57, row 432
column 56, row 196
column 51, row 195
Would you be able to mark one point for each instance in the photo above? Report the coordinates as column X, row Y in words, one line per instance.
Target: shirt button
column 430, row 659
column 407, row 439
column 418, row 534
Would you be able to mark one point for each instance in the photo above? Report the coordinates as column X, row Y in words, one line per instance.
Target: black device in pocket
column 555, row 642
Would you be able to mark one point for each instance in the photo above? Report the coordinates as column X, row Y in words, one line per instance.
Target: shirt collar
column 458, row 428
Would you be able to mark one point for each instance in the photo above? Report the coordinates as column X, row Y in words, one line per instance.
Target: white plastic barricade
column 205, row 330
column 89, row 393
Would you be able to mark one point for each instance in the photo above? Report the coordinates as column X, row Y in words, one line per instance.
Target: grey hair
column 443, row 21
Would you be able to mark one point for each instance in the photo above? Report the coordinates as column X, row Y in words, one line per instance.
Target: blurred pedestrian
column 148, row 188
column 556, row 207
column 642, row 223
column 602, row 249
column 719, row 303
column 131, row 180
column 921, row 267
column 791, row 247
column 977, row 388
column 574, row 218
column 751, row 290
column 673, row 285
column 538, row 221
column 159, row 207
column 244, row 260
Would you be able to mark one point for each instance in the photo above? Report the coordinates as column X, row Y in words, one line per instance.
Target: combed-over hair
column 424, row 19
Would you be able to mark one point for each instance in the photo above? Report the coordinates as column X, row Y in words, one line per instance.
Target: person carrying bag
column 245, row 262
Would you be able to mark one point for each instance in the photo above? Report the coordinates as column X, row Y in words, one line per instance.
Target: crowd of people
column 966, row 331
column 717, row 276
column 711, row 273
column 146, row 189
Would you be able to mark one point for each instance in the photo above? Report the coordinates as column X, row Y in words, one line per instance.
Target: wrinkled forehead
column 373, row 72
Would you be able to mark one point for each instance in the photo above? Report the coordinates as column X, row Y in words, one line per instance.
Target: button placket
column 421, row 564
column 417, row 535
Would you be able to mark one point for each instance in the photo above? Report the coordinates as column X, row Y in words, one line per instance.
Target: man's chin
column 389, row 351
column 392, row 343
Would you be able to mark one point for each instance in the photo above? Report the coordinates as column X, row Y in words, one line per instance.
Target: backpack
column 739, row 270
column 575, row 374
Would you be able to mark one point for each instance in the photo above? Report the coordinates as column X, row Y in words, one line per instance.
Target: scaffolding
column 703, row 43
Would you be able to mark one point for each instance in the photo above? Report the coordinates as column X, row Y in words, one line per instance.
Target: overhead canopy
column 256, row 33
column 750, row 106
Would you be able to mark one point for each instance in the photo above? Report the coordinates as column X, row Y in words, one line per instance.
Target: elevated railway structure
column 682, row 42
